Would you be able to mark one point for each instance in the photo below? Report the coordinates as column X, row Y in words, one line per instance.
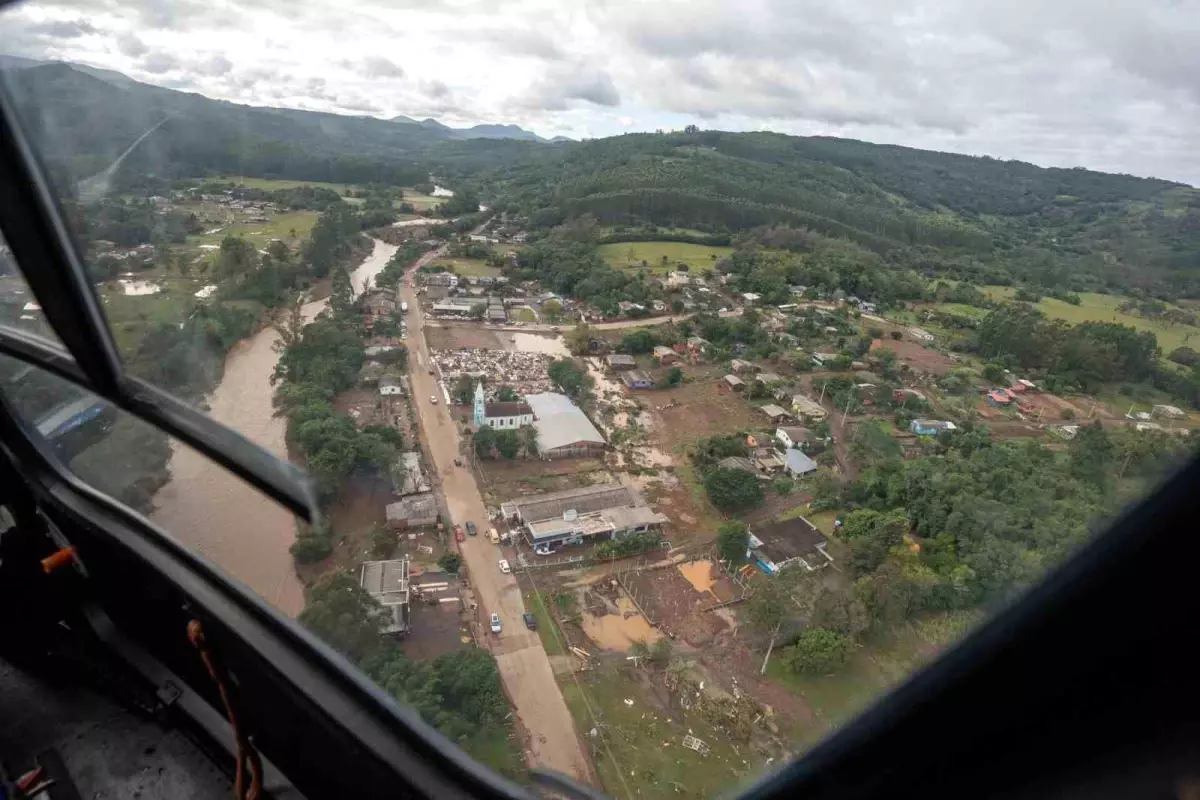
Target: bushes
column 628, row 545
column 732, row 489
column 733, row 541
column 450, row 562
column 312, row 545
column 817, row 651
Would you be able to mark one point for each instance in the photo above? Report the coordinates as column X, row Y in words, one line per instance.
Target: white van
column 504, row 567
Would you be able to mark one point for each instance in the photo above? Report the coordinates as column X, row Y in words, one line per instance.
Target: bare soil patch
column 917, row 357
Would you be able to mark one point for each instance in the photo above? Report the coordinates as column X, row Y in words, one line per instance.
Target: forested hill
column 939, row 212
column 83, row 119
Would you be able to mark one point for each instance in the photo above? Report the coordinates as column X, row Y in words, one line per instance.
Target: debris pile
column 526, row 372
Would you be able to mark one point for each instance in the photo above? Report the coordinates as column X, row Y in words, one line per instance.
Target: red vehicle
column 458, row 534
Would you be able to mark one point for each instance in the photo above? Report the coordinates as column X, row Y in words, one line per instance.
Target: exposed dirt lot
column 474, row 336
column 917, row 357
column 501, row 480
column 677, row 605
column 436, row 628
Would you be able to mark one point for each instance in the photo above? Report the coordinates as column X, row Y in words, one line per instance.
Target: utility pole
column 845, row 413
column 822, row 397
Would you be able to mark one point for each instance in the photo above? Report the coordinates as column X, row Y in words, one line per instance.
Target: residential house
column 637, row 379
column 563, row 430
column 738, row 463
column 390, row 385
column 999, row 398
column 922, row 336
column 794, row 542
column 931, row 427
column 797, row 463
column 677, row 280
column 735, row 383
column 441, row 279
column 742, row 367
column 387, row 583
column 768, row 378
column 903, row 395
column 665, row 355
column 412, row 512
column 766, row 459
column 821, row 359
column 618, row 362
column 696, row 344
column 1168, row 411
column 808, row 408
column 751, row 298
column 792, row 436
column 407, row 475
column 774, row 412
column 868, row 308
column 378, row 303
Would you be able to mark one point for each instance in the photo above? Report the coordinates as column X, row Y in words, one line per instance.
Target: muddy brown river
column 217, row 513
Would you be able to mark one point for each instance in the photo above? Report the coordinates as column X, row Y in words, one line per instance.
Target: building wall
column 509, row 423
column 577, row 450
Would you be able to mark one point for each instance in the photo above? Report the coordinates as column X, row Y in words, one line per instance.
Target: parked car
column 496, row 626
column 504, row 567
column 543, row 550
column 458, row 534
column 471, row 529
column 530, row 621
column 494, row 536
column 433, row 399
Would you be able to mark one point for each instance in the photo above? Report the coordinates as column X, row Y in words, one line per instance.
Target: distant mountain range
column 479, row 131
column 430, row 126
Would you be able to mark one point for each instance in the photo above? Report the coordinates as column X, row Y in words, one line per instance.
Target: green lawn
column 1104, row 308
column 697, row 256
column 963, row 310
column 272, row 185
column 468, row 267
column 525, row 315
column 130, row 316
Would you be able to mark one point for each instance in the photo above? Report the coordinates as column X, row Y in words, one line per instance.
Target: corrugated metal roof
column 799, row 463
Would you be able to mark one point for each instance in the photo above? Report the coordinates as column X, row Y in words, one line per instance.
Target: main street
column 553, row 741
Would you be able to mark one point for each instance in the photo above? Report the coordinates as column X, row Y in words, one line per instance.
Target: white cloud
column 1114, row 86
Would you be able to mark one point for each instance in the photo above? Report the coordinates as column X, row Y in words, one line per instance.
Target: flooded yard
column 618, row 631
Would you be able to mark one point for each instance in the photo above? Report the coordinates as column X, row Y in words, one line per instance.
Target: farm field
column 696, row 256
column 1104, row 308
column 468, row 267
column 271, row 184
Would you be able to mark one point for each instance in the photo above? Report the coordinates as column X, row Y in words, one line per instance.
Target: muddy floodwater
column 619, row 631
column 221, row 516
column 381, row 253
column 699, row 574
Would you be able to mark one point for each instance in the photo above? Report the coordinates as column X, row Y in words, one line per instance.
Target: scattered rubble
column 526, row 372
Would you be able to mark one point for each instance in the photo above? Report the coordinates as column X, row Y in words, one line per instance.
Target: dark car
column 530, row 621
column 471, row 529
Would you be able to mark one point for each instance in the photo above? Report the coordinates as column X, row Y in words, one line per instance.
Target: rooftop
column 737, row 462
column 772, row 410
column 386, row 581
column 512, row 408
column 559, row 422
column 793, row 432
column 418, row 506
column 584, row 500
column 620, row 358
column 798, row 462
column 788, row 539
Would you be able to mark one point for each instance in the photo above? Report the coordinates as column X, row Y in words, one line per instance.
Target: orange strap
column 247, row 757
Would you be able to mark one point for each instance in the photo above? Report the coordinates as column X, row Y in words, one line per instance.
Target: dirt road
column 524, row 667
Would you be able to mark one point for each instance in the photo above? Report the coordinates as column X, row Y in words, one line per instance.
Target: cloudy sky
column 1111, row 85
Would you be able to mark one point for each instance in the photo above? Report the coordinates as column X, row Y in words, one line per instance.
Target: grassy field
column 872, row 670
column 130, row 316
column 272, row 185
column 644, row 750
column 421, row 202
column 1104, row 308
column 468, row 267
column 259, row 233
column 697, row 256
column 536, row 603
column 525, row 315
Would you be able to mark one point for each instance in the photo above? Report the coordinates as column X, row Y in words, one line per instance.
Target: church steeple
column 479, row 406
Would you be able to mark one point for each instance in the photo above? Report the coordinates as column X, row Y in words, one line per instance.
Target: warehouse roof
column 559, row 422
column 584, row 500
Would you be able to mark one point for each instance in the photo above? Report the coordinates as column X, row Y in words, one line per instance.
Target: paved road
column 553, row 741
column 600, row 326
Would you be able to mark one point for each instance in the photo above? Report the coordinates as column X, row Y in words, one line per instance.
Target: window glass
column 19, row 309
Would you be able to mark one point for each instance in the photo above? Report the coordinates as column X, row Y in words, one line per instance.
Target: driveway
column 553, row 741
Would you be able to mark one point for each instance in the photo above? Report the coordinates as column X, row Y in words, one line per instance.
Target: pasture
column 630, row 255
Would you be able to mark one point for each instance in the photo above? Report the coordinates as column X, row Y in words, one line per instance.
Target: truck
column 403, row 306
